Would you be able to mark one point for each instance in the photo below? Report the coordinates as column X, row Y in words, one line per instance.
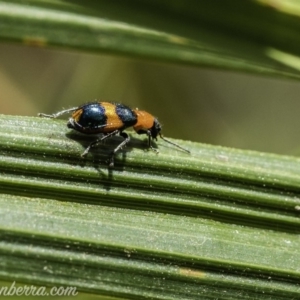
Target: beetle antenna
column 188, row 151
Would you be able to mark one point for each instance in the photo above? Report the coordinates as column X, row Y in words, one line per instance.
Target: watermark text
column 31, row 290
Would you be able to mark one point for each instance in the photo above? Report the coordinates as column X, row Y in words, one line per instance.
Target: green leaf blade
column 189, row 223
column 174, row 34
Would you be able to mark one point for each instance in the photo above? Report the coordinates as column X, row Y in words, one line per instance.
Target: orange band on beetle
column 113, row 121
column 76, row 115
column 145, row 120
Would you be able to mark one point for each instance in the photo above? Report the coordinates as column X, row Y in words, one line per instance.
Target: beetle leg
column 92, row 144
column 62, row 112
column 150, row 142
column 119, row 147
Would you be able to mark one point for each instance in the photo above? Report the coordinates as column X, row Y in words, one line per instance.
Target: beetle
column 111, row 119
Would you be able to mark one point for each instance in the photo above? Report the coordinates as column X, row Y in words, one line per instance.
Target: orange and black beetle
column 112, row 119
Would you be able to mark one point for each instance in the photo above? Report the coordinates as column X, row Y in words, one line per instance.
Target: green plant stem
column 165, row 226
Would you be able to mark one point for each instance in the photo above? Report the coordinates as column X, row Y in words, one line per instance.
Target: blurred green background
column 203, row 105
